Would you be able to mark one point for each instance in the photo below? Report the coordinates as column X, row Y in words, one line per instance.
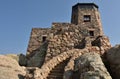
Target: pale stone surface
column 20, row 58
column 90, row 66
column 10, row 69
column 13, row 56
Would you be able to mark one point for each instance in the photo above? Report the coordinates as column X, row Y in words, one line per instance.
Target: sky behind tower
column 18, row 17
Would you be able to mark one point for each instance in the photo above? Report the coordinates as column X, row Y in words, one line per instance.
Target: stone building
column 83, row 33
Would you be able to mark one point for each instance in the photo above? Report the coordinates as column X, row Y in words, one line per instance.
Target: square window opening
column 87, row 18
column 91, row 33
column 44, row 38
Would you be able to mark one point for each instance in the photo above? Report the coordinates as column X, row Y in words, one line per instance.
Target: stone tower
column 56, row 48
column 88, row 15
column 84, row 31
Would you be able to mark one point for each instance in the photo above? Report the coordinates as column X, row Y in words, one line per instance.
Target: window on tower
column 91, row 33
column 44, row 38
column 87, row 18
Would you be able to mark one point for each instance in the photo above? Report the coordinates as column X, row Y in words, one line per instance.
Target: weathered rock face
column 39, row 57
column 113, row 59
column 10, row 69
column 90, row 66
column 22, row 60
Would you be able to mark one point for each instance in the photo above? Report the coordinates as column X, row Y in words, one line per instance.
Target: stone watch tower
column 88, row 15
column 84, row 32
column 54, row 49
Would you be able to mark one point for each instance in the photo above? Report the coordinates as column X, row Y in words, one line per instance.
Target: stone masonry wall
column 62, row 37
column 67, row 36
column 36, row 39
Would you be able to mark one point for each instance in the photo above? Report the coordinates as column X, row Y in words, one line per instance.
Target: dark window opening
column 91, row 33
column 44, row 38
column 87, row 18
column 96, row 43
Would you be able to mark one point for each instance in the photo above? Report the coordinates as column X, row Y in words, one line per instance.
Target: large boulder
column 22, row 60
column 90, row 66
column 10, row 69
column 113, row 61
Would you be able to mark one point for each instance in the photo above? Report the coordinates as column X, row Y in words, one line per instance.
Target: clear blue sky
column 18, row 17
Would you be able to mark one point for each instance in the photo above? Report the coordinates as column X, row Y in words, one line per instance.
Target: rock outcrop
column 90, row 66
column 113, row 61
column 13, row 56
column 22, row 60
column 38, row 59
column 10, row 69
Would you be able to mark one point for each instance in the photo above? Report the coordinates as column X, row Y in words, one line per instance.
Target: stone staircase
column 54, row 69
column 58, row 71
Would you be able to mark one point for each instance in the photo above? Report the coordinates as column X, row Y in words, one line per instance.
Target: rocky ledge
column 10, row 69
column 90, row 66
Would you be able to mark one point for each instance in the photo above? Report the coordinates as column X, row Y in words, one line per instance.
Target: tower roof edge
column 85, row 4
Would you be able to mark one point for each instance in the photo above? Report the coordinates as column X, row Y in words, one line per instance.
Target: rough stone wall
column 102, row 42
column 36, row 39
column 67, row 36
column 64, row 38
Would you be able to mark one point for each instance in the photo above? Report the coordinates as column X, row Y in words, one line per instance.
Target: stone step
column 57, row 71
column 61, row 68
column 61, row 65
column 55, row 76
